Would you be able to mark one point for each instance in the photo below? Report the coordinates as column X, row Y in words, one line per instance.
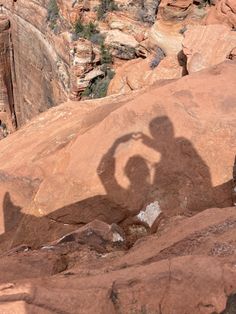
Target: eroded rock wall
column 40, row 74
column 7, row 111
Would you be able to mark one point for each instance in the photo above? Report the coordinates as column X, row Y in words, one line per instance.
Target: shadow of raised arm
column 107, row 167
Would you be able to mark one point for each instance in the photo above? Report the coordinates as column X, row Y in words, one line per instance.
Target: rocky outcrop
column 41, row 61
column 63, row 64
column 153, row 148
column 223, row 12
column 124, row 46
column 141, row 73
column 205, row 46
column 7, row 110
column 159, row 273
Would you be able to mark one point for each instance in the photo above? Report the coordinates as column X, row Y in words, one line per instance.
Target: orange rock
column 137, row 74
column 209, row 45
column 194, row 258
column 108, row 159
column 223, row 12
column 167, row 36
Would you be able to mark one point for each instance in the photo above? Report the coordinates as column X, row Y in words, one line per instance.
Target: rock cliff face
column 51, row 63
column 40, row 78
column 7, row 108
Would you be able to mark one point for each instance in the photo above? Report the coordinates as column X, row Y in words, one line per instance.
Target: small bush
column 157, row 59
column 86, row 31
column 52, row 14
column 104, row 7
column 97, row 39
column 97, row 88
column 79, row 27
column 106, row 57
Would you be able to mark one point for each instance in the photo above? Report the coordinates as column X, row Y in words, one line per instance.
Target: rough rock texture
column 205, row 46
column 139, row 73
column 189, row 268
column 123, row 45
column 40, row 60
column 6, row 88
column 60, row 176
column 223, row 12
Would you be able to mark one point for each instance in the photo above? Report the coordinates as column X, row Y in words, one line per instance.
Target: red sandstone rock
column 96, row 234
column 190, row 268
column 109, row 159
column 223, row 12
column 209, row 45
column 139, row 73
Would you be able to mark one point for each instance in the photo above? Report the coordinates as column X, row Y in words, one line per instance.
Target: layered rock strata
column 41, row 63
column 7, row 110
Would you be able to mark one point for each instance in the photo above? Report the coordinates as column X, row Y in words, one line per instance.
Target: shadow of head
column 161, row 129
column 137, row 170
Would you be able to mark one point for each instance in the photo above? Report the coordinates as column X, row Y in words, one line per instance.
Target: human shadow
column 136, row 170
column 181, row 183
column 23, row 228
column 182, row 180
column 11, row 213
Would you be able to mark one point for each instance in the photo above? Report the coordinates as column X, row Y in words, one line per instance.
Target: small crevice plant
column 52, row 14
column 104, row 7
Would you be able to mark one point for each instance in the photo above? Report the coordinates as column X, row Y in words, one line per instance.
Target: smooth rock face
column 108, row 160
column 167, row 36
column 209, row 45
column 6, row 84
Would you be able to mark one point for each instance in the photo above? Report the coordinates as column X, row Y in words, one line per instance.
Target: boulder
column 96, row 234
column 123, row 46
column 208, row 45
column 119, row 21
column 136, row 74
column 167, row 36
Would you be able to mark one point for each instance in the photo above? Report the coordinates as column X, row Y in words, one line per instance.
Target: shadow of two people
column 181, row 182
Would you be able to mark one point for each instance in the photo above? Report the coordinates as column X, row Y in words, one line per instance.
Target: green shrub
column 79, row 27
column 106, row 57
column 85, row 30
column 97, row 88
column 52, row 14
column 104, row 7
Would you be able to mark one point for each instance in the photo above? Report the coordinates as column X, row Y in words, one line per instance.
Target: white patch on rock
column 116, row 237
column 150, row 214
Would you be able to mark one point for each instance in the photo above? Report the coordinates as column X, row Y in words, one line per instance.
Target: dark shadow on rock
column 134, row 197
column 12, row 213
column 231, row 305
column 98, row 207
column 182, row 183
column 182, row 180
column 182, row 59
column 36, row 231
